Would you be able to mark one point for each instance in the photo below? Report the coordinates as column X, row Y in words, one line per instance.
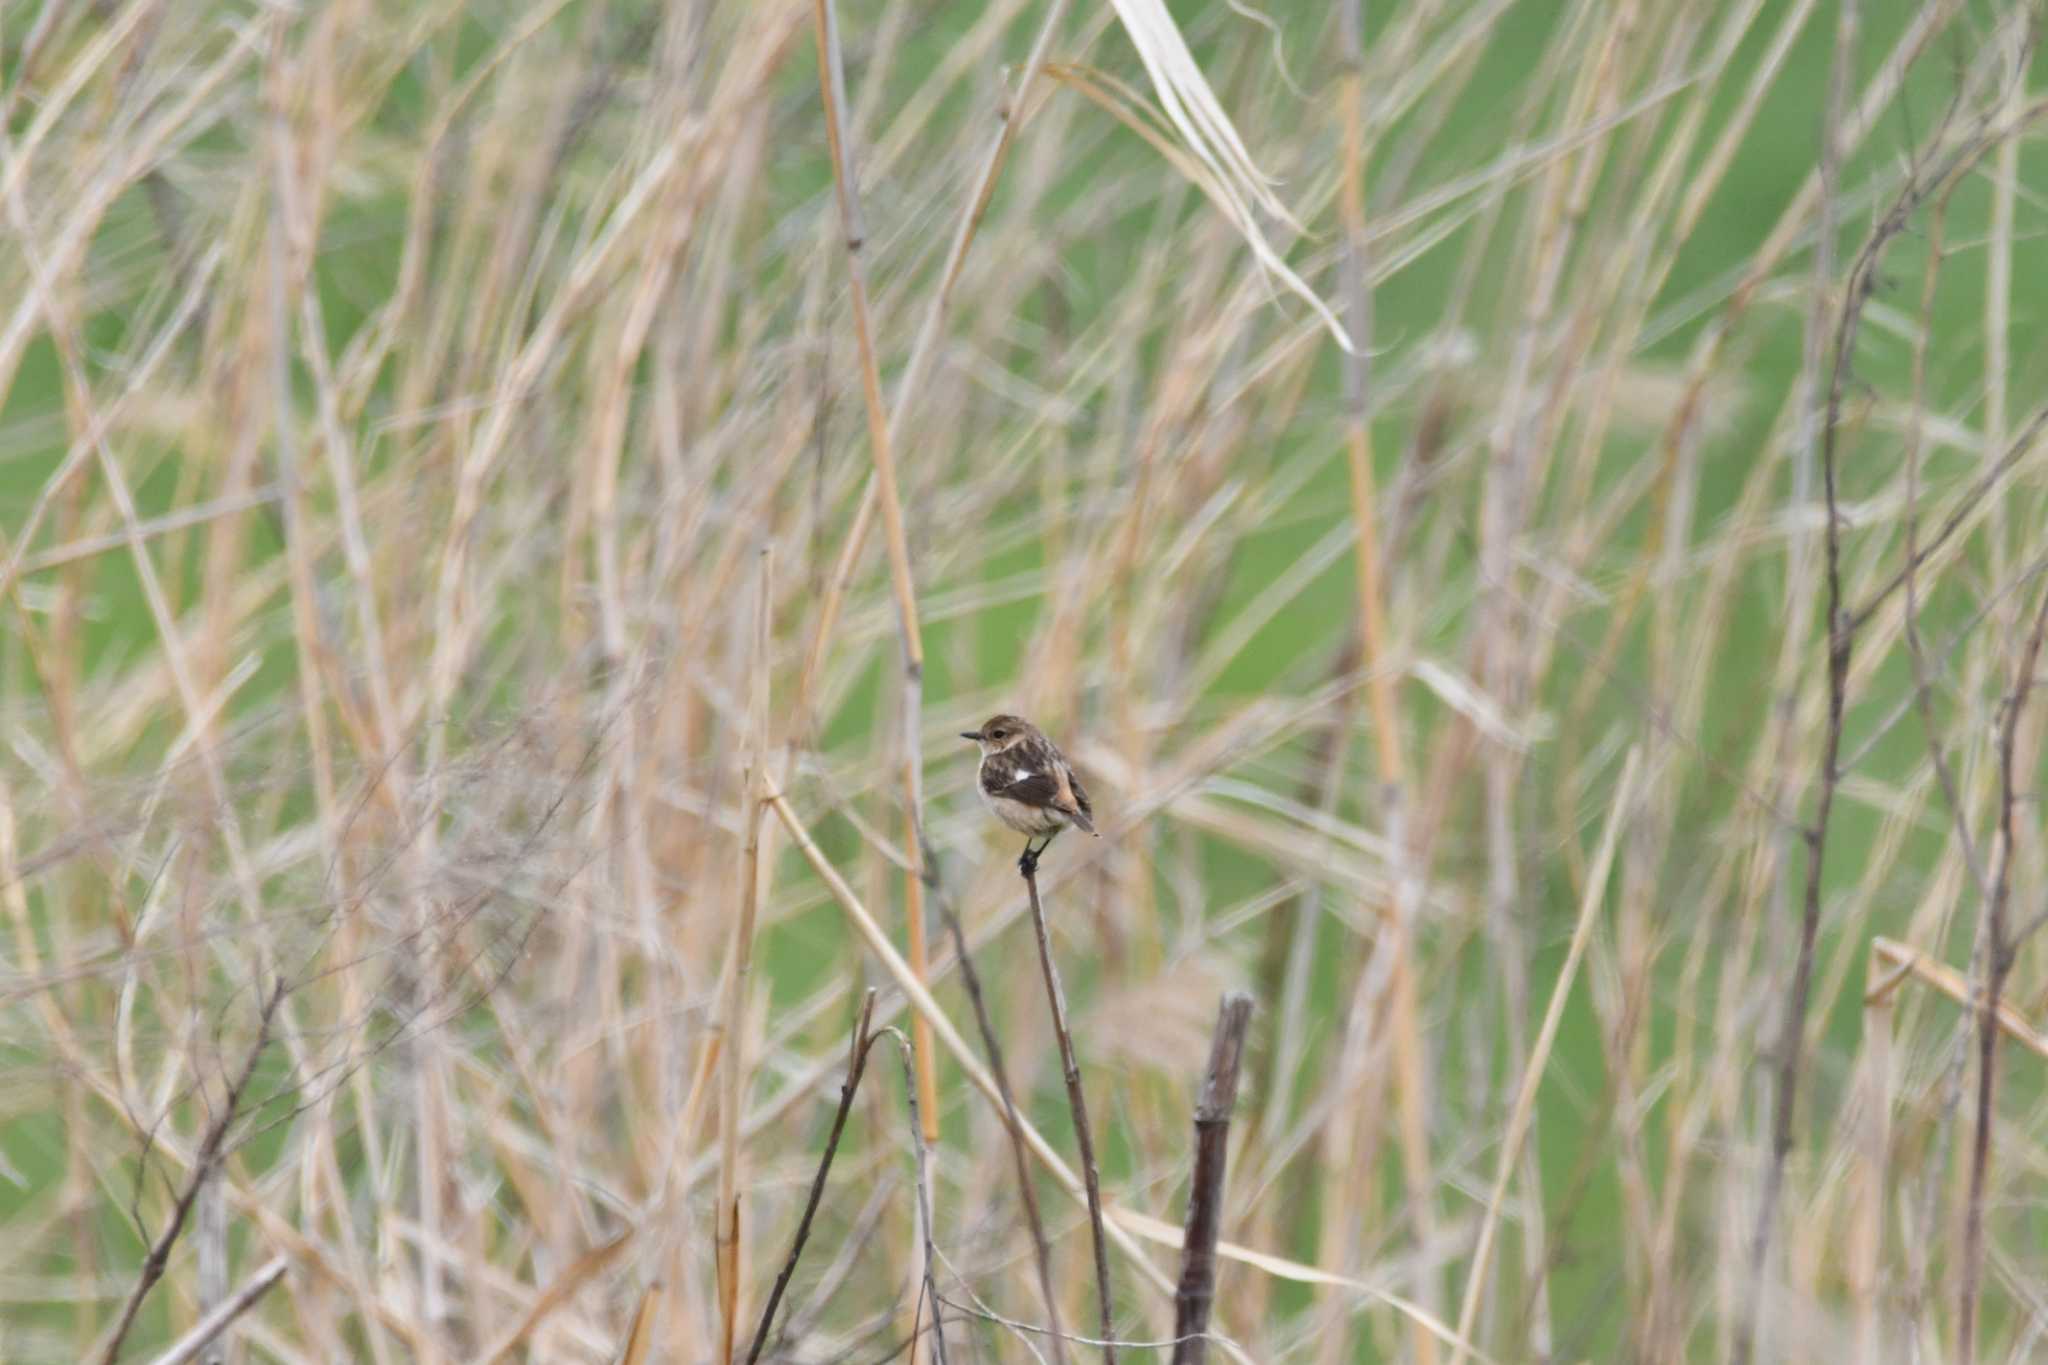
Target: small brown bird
column 1029, row 784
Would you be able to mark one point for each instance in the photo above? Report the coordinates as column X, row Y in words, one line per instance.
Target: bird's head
column 998, row 733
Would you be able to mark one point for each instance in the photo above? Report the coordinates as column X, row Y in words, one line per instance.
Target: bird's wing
column 1020, row 784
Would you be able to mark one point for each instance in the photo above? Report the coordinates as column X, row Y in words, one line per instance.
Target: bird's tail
column 1080, row 818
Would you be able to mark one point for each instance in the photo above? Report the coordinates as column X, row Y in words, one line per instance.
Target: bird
column 1029, row 784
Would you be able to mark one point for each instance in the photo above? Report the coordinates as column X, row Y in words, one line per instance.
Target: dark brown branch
column 205, row 1163
column 1197, row 1288
column 1841, row 636
column 1076, row 1102
column 1842, row 626
column 856, row 1064
column 1998, row 958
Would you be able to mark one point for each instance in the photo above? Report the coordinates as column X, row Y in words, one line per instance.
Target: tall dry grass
column 507, row 506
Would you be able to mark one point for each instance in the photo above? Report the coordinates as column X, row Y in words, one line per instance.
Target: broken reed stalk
column 856, row 1064
column 846, row 186
column 1077, row 1103
column 732, row 1060
column 1903, row 961
column 1197, row 1288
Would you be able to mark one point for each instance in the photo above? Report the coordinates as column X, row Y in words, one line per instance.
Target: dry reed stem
column 927, row 1287
column 639, row 1346
column 753, row 871
column 564, row 1287
column 1877, row 1083
column 832, row 81
column 1411, row 1090
column 551, row 277
column 223, row 1315
column 1009, row 116
column 832, row 84
column 1167, row 1235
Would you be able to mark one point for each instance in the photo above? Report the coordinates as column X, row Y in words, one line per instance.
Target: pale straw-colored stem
column 838, row 128
column 1539, row 1056
column 751, row 873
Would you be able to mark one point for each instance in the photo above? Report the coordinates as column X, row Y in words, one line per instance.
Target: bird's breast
column 1025, row 819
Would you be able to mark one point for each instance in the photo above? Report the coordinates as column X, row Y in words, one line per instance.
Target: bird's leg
column 1027, row 863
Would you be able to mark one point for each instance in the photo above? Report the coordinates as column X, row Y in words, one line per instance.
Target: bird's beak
column 974, row 735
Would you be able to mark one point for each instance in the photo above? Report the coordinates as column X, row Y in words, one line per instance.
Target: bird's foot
column 1027, row 861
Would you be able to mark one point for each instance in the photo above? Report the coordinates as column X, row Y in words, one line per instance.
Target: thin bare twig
column 1791, row 1032
column 206, row 1161
column 920, row 999
column 857, row 1061
column 1034, row 1219
column 1077, row 1104
column 982, row 1310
